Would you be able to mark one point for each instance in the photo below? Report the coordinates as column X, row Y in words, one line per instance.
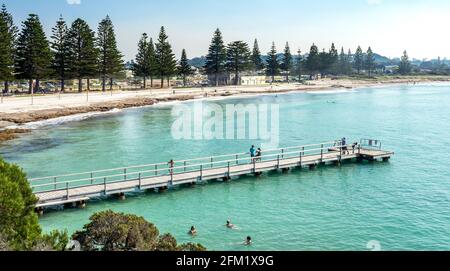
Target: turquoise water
column 404, row 204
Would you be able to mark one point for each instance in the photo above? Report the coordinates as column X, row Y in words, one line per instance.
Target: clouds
column 73, row 2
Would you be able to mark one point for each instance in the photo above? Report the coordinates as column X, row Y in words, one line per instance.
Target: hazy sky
column 420, row 26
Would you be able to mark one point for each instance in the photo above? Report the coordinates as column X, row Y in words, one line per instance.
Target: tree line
column 73, row 52
column 78, row 52
column 236, row 58
column 158, row 60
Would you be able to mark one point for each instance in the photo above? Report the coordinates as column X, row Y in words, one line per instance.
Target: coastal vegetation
column 19, row 226
column 76, row 52
column 107, row 231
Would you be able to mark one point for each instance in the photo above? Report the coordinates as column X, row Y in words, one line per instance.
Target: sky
column 388, row 26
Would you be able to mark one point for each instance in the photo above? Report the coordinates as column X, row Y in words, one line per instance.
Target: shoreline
column 13, row 119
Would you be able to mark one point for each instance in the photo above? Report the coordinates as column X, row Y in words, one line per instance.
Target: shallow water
column 404, row 204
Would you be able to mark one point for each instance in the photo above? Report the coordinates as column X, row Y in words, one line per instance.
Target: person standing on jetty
column 252, row 152
column 171, row 164
column 258, row 155
column 344, row 146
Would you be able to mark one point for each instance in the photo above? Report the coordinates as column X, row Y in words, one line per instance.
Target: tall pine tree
column 165, row 58
column 142, row 65
column 405, row 64
column 84, row 55
column 370, row 62
column 359, row 60
column 299, row 65
column 184, row 69
column 350, row 61
column 6, row 54
column 110, row 58
column 33, row 55
column 342, row 62
column 61, row 52
column 217, row 57
column 7, row 46
column 313, row 61
column 333, row 58
column 256, row 57
column 238, row 59
column 272, row 66
column 153, row 62
column 287, row 64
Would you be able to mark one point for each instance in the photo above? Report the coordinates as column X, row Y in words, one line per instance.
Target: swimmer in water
column 193, row 231
column 248, row 241
column 229, row 225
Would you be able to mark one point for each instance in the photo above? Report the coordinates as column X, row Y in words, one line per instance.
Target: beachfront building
column 253, row 80
column 244, row 79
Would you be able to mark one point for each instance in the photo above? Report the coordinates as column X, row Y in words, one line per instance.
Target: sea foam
column 61, row 120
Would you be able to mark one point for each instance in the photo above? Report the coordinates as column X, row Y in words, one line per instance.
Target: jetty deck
column 80, row 187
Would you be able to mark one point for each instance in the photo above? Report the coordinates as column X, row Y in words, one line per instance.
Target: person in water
column 229, row 225
column 248, row 241
column 193, row 231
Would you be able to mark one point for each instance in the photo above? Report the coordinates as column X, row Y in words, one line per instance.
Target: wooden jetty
column 76, row 189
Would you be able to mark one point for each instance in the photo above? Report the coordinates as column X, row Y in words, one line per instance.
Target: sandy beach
column 15, row 111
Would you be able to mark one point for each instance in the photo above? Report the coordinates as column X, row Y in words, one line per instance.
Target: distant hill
column 198, row 62
column 379, row 59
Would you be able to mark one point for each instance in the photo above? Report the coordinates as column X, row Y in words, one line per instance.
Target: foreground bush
column 19, row 226
column 109, row 231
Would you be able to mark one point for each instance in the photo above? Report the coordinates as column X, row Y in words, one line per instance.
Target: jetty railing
column 132, row 173
column 371, row 144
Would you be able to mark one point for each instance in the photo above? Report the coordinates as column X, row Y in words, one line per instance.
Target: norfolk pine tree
column 257, row 62
column 84, row 55
column 61, row 52
column 272, row 66
column 217, row 57
column 165, row 58
column 405, row 64
column 153, row 62
column 184, row 69
column 6, row 54
column 333, row 59
column 287, row 65
column 142, row 63
column 370, row 62
column 313, row 61
column 299, row 65
column 110, row 59
column 8, row 39
column 238, row 59
column 359, row 60
column 344, row 62
column 33, row 55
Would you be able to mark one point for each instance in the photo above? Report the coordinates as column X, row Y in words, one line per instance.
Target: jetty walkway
column 76, row 189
